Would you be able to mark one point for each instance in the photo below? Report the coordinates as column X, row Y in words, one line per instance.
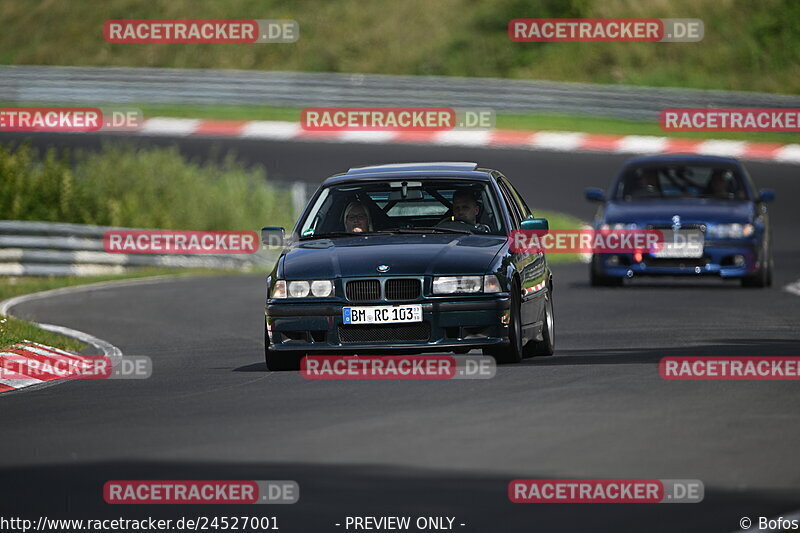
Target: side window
column 516, row 216
column 523, row 207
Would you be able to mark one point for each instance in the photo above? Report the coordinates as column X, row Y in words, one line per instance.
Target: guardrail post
column 299, row 197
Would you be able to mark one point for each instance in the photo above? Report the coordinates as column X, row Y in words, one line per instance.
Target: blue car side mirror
column 273, row 235
column 766, row 195
column 535, row 224
column 595, row 195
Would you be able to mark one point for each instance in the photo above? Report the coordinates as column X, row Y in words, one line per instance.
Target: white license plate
column 393, row 314
column 681, row 244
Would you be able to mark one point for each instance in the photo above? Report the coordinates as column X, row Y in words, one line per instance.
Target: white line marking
column 557, row 140
column 794, row 288
column 788, row 154
column 265, row 129
column 462, row 138
column 367, row 136
column 639, row 144
column 169, row 126
column 723, row 148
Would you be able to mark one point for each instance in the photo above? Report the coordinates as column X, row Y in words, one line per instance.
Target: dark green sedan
column 409, row 258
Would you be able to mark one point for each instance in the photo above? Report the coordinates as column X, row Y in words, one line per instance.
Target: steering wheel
column 461, row 224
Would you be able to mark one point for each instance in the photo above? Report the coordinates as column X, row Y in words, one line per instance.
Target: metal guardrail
column 59, row 249
column 113, row 85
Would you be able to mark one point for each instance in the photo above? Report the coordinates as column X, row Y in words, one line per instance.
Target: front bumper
column 447, row 324
column 725, row 259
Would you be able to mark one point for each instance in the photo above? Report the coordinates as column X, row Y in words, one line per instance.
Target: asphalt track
column 598, row 409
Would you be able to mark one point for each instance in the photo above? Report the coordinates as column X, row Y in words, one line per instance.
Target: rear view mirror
column 535, row 224
column 411, row 194
column 273, row 236
column 766, row 195
column 594, row 194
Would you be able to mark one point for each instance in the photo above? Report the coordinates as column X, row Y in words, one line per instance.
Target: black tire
column 763, row 278
column 598, row 280
column 277, row 362
column 513, row 352
column 547, row 346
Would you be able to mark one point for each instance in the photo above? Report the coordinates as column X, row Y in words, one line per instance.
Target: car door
column 530, row 265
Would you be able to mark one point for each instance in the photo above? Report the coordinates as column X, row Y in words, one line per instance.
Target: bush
column 138, row 187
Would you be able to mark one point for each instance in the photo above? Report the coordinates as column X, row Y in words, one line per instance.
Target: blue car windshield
column 681, row 181
column 405, row 205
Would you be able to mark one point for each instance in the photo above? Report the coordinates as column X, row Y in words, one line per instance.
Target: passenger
column 356, row 218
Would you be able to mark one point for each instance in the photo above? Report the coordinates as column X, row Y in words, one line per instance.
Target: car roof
column 437, row 170
column 681, row 158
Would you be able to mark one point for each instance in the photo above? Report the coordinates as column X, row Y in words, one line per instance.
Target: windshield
column 681, row 181
column 416, row 205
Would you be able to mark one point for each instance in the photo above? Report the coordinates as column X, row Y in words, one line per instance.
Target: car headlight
column 730, row 231
column 318, row 288
column 459, row 284
column 322, row 288
column 619, row 225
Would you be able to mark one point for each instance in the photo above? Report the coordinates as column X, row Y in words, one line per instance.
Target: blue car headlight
column 730, row 231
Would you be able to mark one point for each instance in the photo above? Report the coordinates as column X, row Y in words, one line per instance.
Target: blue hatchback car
column 711, row 199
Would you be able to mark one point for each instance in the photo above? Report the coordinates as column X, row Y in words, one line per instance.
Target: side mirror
column 273, row 236
column 594, row 194
column 535, row 224
column 766, row 195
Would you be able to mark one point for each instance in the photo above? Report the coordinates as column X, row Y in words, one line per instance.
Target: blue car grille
column 363, row 290
column 420, row 331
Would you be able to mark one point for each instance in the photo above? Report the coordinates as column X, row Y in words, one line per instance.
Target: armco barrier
column 97, row 86
column 59, row 249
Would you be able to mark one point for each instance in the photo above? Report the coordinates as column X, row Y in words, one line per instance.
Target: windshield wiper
column 430, row 229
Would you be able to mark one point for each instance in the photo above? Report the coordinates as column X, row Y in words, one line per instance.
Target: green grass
column 753, row 46
column 13, row 331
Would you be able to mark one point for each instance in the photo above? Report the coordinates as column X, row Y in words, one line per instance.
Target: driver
column 465, row 207
column 465, row 211
column 717, row 185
